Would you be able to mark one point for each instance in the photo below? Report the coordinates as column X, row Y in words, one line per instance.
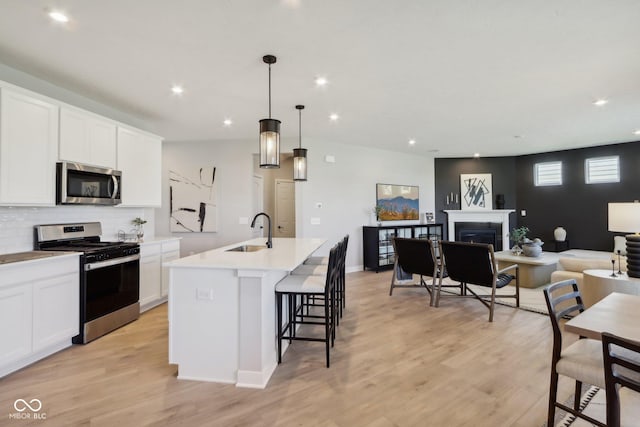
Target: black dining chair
column 622, row 379
column 414, row 256
column 475, row 264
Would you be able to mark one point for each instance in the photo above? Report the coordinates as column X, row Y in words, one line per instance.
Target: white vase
column 559, row 234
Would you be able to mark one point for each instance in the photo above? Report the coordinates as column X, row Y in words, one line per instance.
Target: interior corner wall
column 578, row 207
column 234, row 163
column 447, row 177
column 339, row 196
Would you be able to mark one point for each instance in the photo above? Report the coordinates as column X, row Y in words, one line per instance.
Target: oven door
column 111, row 285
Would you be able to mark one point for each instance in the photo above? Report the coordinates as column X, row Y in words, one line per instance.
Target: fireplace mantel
column 500, row 216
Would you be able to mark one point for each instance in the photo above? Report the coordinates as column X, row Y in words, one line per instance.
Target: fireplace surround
column 495, row 216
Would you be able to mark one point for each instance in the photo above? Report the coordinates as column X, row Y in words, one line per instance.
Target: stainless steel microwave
column 78, row 184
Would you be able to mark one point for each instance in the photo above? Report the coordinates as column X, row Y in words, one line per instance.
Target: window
column 602, row 169
column 549, row 173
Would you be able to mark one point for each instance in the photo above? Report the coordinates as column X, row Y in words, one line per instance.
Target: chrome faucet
column 253, row 224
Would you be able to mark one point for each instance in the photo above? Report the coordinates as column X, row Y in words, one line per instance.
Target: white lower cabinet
column 170, row 252
column 17, row 325
column 39, row 309
column 154, row 278
column 150, row 275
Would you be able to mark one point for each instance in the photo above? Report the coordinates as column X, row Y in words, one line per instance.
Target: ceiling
column 497, row 77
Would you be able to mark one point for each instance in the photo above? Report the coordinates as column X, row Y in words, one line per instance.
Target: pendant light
column 269, row 131
column 300, row 154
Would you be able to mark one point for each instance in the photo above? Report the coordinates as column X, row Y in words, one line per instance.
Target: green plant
column 519, row 235
column 138, row 221
column 377, row 209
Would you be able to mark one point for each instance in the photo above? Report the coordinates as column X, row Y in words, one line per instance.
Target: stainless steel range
column 109, row 275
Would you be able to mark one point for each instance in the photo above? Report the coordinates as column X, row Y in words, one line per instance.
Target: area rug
column 593, row 404
column 531, row 299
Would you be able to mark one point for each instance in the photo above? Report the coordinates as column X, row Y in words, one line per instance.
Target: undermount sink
column 247, row 248
column 25, row 256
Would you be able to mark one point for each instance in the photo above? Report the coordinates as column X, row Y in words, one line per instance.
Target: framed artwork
column 476, row 191
column 193, row 204
column 397, row 202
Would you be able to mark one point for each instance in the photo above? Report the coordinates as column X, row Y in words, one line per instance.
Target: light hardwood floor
column 396, row 362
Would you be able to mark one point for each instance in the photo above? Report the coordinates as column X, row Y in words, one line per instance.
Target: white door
column 285, row 221
column 257, row 195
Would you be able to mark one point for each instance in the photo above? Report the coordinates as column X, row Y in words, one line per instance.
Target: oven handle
column 109, row 263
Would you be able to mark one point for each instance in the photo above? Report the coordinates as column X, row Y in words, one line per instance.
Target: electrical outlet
column 243, row 220
column 204, row 294
column 523, row 212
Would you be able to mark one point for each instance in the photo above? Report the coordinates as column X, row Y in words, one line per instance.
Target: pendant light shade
column 300, row 154
column 269, row 131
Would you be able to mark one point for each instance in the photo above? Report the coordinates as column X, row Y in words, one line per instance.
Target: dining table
column 617, row 313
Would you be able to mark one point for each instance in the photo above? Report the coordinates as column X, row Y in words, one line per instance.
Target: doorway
column 285, row 208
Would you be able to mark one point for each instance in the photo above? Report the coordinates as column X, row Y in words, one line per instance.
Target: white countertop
column 286, row 254
column 39, row 256
column 158, row 239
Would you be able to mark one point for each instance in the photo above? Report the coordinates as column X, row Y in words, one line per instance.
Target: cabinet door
column 139, row 159
column 150, row 274
column 56, row 310
column 85, row 138
column 28, row 142
column 16, row 321
column 170, row 252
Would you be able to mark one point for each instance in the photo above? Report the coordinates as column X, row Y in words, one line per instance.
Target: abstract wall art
column 476, row 191
column 193, row 200
column 397, row 202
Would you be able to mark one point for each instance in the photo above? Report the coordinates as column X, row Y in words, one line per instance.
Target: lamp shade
column 624, row 217
column 299, row 164
column 269, row 143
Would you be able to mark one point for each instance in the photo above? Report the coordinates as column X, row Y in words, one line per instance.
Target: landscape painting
column 193, row 200
column 476, row 191
column 397, row 202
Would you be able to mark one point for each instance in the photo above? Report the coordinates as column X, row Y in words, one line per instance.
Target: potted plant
column 139, row 222
column 519, row 237
column 377, row 210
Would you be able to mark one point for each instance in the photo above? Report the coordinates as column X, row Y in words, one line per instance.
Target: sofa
column 573, row 262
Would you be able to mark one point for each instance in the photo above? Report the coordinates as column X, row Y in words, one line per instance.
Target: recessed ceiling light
column 321, row 81
column 600, row 102
column 412, row 142
column 333, row 117
column 636, row 132
column 58, row 16
column 227, row 122
column 178, row 90
column 476, row 155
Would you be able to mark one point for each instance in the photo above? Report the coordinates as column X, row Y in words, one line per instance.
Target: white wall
column 346, row 189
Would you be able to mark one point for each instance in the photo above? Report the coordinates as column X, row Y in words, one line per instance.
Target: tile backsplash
column 16, row 223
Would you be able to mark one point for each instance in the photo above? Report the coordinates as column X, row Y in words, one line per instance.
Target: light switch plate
column 315, row 221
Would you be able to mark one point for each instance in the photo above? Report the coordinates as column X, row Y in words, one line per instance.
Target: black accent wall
column 447, row 179
column 579, row 207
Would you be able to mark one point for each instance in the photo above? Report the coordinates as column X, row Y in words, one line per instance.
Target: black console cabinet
column 378, row 249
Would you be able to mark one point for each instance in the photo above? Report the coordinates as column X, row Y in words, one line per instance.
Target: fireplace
column 479, row 233
column 476, row 220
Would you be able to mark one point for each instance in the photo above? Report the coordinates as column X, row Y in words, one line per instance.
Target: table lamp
column 625, row 218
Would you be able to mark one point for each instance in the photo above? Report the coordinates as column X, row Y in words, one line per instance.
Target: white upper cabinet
column 87, row 138
column 140, row 160
column 28, row 141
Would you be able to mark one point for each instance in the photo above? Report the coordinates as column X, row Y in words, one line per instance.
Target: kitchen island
column 222, row 319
